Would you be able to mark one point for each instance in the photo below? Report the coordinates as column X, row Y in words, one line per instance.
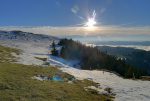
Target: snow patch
column 126, row 90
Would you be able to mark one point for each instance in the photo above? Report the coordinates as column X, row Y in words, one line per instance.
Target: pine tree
column 54, row 51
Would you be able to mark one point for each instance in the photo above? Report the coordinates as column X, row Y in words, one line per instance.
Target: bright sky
column 61, row 17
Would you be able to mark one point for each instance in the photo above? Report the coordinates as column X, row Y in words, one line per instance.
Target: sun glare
column 90, row 24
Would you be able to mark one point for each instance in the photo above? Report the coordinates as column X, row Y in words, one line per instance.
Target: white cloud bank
column 100, row 30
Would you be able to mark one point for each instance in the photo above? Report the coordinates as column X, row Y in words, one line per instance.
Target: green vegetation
column 39, row 58
column 93, row 58
column 147, row 78
column 6, row 54
column 135, row 57
column 16, row 83
column 54, row 51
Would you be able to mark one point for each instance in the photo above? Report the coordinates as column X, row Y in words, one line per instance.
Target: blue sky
column 58, row 12
column 123, row 17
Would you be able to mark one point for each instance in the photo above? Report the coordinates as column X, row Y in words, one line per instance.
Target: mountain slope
column 92, row 58
column 24, row 36
column 135, row 57
column 31, row 44
column 17, row 83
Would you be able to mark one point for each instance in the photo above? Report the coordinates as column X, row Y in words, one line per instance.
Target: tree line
column 92, row 58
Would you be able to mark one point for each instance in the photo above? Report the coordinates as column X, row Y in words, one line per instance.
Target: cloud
column 78, row 30
column 75, row 9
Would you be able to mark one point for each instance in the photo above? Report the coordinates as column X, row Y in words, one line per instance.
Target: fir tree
column 54, row 51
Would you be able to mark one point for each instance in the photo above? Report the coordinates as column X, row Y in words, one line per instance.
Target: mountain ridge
column 17, row 35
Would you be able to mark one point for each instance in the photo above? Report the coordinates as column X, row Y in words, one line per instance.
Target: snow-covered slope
column 24, row 36
column 31, row 44
column 60, row 62
column 126, row 90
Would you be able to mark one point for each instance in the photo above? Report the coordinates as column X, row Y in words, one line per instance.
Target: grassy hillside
column 16, row 83
column 6, row 54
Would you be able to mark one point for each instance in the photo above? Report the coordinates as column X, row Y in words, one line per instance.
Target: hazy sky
column 63, row 17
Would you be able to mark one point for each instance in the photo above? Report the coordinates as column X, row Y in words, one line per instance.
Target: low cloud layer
column 101, row 30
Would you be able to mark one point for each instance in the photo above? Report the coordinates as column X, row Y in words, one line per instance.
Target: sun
column 91, row 22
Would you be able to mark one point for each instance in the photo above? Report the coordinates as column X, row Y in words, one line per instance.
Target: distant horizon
column 95, row 38
column 107, row 19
